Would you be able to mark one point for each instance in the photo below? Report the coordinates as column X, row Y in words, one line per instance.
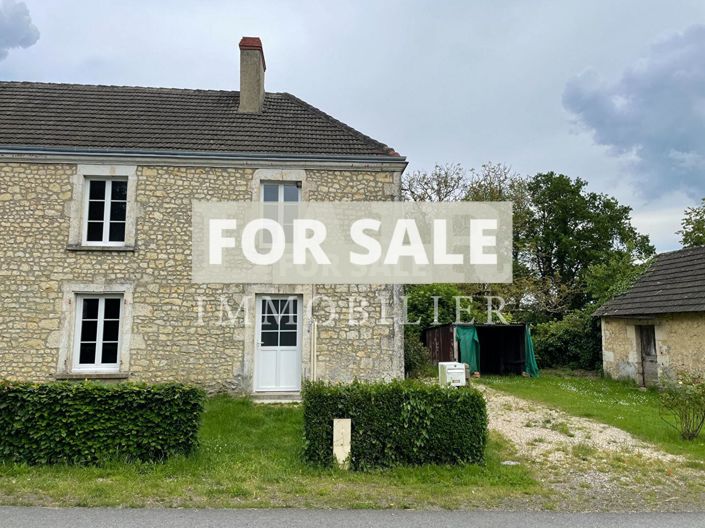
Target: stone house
column 96, row 187
column 657, row 327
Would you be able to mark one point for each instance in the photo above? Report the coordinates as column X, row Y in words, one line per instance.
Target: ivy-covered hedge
column 89, row 423
column 396, row 423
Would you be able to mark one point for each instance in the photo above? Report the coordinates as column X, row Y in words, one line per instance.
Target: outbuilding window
column 97, row 335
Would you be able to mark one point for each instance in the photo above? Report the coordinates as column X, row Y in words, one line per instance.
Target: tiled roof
column 165, row 119
column 675, row 282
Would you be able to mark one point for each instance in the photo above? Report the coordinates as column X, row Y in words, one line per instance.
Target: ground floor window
column 97, row 337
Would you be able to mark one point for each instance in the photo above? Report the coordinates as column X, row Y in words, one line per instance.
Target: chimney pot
column 252, row 68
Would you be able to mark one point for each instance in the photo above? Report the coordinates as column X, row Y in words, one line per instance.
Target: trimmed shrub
column 90, row 423
column 396, row 423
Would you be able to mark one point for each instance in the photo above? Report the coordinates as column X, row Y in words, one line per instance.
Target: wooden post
column 341, row 441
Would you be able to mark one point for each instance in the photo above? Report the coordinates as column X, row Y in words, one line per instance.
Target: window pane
column 270, row 323
column 288, row 323
column 269, row 339
column 89, row 330
column 87, row 353
column 287, row 339
column 111, row 330
column 112, row 308
column 117, row 232
column 119, row 191
column 110, row 353
column 95, row 232
column 272, row 305
column 291, row 193
column 117, row 211
column 270, row 192
column 291, row 212
column 97, row 190
column 90, row 309
column 95, row 210
column 288, row 306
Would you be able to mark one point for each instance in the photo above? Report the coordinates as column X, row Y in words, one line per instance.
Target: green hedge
column 396, row 423
column 89, row 423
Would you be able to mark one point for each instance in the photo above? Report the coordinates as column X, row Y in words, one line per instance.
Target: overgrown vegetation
column 683, row 400
column 573, row 250
column 398, row 423
column 88, row 423
column 573, row 341
column 416, row 356
column 250, row 456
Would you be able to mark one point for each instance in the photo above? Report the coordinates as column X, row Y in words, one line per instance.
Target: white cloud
column 16, row 28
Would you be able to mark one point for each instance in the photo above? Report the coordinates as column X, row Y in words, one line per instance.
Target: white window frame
column 280, row 189
column 79, row 206
column 107, row 208
column 78, row 323
column 280, row 201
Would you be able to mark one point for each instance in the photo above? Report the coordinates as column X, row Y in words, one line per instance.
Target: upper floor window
column 281, row 203
column 105, row 211
column 281, row 191
column 97, row 337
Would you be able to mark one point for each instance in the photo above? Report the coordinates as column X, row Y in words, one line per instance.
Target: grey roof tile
column 674, row 283
column 90, row 117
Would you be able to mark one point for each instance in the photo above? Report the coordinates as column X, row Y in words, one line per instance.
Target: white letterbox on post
column 451, row 373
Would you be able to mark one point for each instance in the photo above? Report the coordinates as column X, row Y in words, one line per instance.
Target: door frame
column 641, row 330
column 257, row 340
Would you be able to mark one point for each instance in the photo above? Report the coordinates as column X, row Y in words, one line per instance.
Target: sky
column 611, row 92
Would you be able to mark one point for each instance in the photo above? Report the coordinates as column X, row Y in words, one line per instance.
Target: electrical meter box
column 452, row 373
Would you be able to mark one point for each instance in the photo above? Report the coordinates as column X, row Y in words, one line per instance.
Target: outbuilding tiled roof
column 675, row 282
column 84, row 117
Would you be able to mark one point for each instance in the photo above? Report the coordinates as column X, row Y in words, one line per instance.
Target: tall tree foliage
column 573, row 249
column 445, row 183
column 561, row 231
column 693, row 226
column 570, row 229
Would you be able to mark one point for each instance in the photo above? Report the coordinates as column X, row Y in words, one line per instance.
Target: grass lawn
column 249, row 457
column 616, row 403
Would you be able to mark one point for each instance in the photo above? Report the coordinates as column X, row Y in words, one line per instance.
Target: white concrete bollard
column 341, row 441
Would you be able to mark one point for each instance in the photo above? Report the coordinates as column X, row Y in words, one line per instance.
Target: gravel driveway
column 592, row 466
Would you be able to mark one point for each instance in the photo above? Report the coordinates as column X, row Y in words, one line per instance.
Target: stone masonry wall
column 175, row 331
column 680, row 345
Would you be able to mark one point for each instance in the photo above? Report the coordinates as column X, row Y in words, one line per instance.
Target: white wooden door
column 278, row 343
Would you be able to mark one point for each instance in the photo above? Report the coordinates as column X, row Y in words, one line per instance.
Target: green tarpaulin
column 469, row 346
column 532, row 369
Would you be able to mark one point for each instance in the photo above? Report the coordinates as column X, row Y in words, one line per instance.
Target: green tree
column 693, row 226
column 605, row 280
column 570, row 229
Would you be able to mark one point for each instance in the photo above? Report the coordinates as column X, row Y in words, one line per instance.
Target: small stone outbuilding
column 657, row 327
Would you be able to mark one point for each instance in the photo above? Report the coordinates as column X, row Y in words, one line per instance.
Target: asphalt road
column 109, row 518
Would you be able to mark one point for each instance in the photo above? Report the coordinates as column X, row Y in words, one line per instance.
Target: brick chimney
column 252, row 68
